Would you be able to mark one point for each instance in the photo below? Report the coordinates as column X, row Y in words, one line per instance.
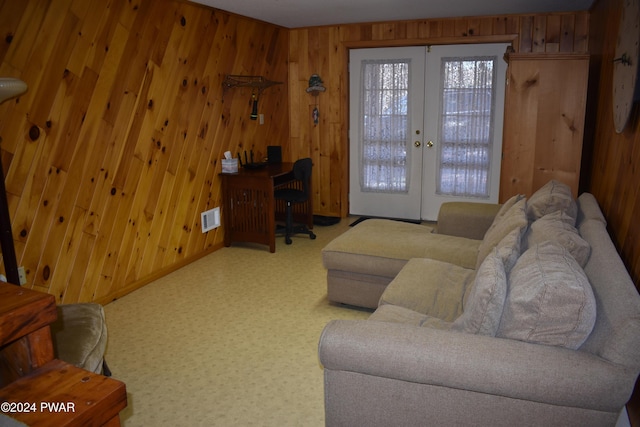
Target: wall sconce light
column 315, row 87
column 254, row 109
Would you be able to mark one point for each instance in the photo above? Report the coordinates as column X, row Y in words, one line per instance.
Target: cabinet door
column 544, row 121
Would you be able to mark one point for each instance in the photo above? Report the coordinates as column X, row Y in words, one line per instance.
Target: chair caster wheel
column 287, row 241
column 312, row 236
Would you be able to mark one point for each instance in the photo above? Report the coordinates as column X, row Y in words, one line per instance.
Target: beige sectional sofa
column 520, row 314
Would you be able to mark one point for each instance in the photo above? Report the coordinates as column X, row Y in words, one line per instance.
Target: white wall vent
column 210, row 219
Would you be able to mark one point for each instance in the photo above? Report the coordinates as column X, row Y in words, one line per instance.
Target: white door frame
column 427, row 156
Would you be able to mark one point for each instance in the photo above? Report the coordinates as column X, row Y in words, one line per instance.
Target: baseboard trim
column 156, row 275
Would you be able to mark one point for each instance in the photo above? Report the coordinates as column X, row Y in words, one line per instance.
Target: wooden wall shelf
column 258, row 83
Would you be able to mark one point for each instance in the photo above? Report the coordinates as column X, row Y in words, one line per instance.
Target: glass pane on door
column 466, row 126
column 385, row 126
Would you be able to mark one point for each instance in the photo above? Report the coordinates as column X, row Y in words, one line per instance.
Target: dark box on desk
column 274, row 154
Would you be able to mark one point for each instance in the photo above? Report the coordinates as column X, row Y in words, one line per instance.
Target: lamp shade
column 10, row 87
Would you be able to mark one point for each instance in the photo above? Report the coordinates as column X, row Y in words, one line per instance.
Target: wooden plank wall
column 614, row 176
column 324, row 51
column 613, row 173
column 113, row 153
column 544, row 118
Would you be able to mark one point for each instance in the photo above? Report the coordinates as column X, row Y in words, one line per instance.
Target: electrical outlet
column 22, row 275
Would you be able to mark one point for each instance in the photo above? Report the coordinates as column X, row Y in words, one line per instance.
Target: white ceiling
column 310, row 13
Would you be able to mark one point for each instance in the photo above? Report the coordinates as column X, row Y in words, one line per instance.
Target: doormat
column 364, row 218
column 325, row 220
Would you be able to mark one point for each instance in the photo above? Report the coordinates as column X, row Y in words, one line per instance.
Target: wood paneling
column 543, row 121
column 613, row 159
column 324, row 51
column 614, row 172
column 113, row 153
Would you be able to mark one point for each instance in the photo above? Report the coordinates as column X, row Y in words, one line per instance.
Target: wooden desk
column 250, row 209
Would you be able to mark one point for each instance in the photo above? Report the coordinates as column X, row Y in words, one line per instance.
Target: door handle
column 417, row 144
column 429, row 144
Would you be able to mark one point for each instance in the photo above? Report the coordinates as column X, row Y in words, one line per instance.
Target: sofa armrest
column 466, row 219
column 476, row 363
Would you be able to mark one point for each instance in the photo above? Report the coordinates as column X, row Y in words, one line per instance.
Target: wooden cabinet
column 249, row 208
column 544, row 121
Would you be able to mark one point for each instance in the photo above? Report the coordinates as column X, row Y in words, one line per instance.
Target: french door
column 425, row 128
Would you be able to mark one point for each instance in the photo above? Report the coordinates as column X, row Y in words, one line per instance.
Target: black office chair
column 291, row 196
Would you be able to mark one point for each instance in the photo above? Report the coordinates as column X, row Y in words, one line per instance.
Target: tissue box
column 229, row 165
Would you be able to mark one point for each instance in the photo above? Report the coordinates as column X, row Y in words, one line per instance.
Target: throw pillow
column 509, row 249
column 549, row 299
column 508, row 205
column 553, row 227
column 514, row 218
column 484, row 306
column 553, row 196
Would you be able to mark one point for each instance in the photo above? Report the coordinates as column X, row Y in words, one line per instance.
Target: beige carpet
column 230, row 340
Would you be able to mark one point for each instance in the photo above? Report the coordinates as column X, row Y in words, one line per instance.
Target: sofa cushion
column 549, row 299
column 508, row 205
column 551, row 197
column 514, row 218
column 397, row 314
column 466, row 219
column 555, row 228
column 382, row 247
column 509, row 249
column 483, row 310
column 80, row 335
column 429, row 287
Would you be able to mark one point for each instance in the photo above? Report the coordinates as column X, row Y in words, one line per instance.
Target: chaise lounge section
column 363, row 261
